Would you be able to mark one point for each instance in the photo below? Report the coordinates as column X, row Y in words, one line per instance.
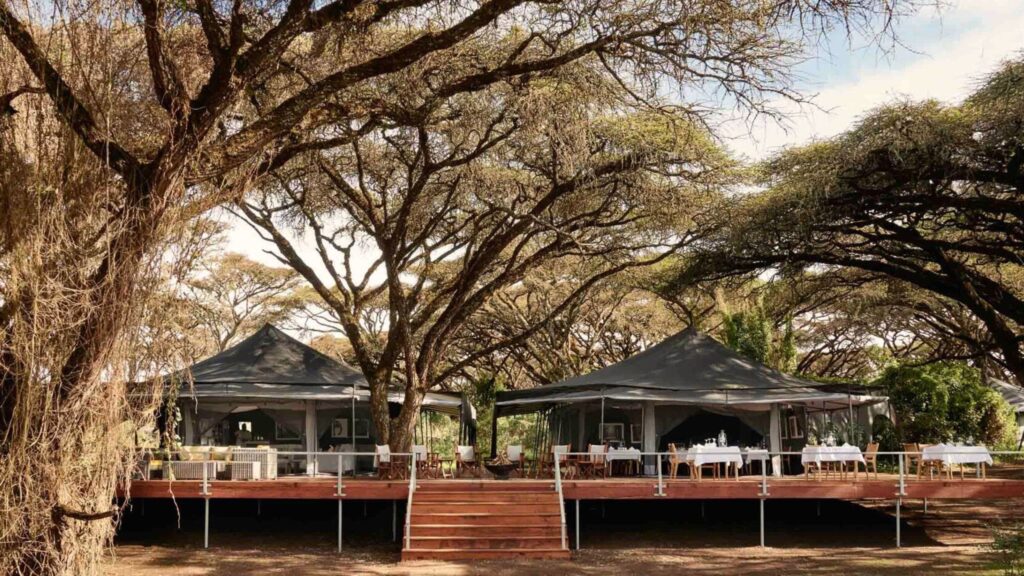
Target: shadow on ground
column 617, row 537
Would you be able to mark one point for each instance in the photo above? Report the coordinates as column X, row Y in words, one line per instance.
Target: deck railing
column 887, row 462
column 206, row 469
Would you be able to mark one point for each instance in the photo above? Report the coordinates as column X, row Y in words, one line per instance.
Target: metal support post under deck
column 899, row 501
column 394, row 521
column 762, row 522
column 577, row 524
column 340, row 526
column 206, row 523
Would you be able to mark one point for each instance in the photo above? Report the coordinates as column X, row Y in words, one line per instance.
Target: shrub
column 1008, row 546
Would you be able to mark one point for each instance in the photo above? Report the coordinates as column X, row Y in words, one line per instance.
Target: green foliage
column 511, row 430
column 944, row 402
column 1008, row 547
column 753, row 334
column 884, row 432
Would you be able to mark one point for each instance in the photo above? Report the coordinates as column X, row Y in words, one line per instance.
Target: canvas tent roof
column 1014, row 395
column 271, row 365
column 687, row 368
column 270, row 356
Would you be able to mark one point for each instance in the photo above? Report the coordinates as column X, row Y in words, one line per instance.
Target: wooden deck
column 885, row 487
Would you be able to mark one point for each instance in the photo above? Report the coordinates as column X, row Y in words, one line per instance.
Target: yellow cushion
column 220, row 453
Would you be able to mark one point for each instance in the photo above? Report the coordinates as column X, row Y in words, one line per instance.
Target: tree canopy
column 924, row 193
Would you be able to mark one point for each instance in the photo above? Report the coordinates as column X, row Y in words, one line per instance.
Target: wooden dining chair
column 466, row 461
column 382, row 462
column 929, row 466
column 871, row 459
column 565, row 466
column 419, row 452
column 515, row 454
column 912, row 458
column 597, row 458
column 675, row 460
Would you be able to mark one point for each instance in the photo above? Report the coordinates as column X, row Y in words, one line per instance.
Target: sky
column 944, row 54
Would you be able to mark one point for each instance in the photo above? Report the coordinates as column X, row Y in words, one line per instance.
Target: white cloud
column 955, row 49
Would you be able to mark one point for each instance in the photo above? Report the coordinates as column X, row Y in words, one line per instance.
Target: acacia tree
column 465, row 200
column 927, row 194
column 167, row 97
column 613, row 321
column 231, row 295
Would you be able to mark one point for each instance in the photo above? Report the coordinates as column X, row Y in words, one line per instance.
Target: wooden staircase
column 467, row 520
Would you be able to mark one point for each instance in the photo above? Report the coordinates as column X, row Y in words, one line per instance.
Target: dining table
column 703, row 454
column 828, row 457
column 630, row 457
column 950, row 454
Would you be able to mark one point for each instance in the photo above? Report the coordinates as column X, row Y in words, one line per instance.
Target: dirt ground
column 624, row 539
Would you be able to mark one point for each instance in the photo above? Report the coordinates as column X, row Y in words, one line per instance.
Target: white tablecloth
column 948, row 454
column 755, row 454
column 823, row 454
column 623, row 454
column 701, row 455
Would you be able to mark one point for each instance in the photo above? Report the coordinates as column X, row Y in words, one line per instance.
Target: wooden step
column 486, row 554
column 486, row 486
column 475, row 542
column 485, row 518
column 496, row 507
column 547, row 496
column 483, row 530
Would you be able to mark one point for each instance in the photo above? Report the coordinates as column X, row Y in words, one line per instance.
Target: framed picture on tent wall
column 339, row 428
column 612, row 432
column 636, row 434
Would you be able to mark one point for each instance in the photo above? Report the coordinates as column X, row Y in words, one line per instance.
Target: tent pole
column 494, row 433
column 352, row 433
column 849, row 399
column 600, row 430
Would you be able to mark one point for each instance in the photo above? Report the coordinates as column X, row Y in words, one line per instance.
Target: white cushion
column 467, row 454
column 383, row 453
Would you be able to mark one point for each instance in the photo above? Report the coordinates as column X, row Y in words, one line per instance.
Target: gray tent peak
column 687, row 360
column 270, row 356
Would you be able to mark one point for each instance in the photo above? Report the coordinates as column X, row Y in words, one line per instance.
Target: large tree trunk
column 63, row 454
column 404, row 427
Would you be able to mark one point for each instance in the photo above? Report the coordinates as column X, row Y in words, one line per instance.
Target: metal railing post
column 764, row 487
column 561, row 503
column 661, row 481
column 408, row 506
column 338, row 489
column 902, row 485
column 206, row 468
